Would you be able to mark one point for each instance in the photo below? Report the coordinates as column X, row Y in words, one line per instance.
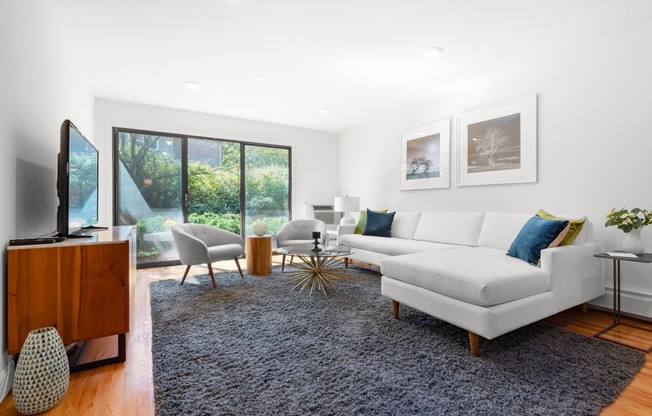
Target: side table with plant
column 631, row 222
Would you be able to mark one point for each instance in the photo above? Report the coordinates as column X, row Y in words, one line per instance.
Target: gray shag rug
column 254, row 346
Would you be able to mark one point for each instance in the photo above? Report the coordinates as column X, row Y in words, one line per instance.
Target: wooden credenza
column 82, row 286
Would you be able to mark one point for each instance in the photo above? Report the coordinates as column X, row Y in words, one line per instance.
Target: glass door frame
column 184, row 176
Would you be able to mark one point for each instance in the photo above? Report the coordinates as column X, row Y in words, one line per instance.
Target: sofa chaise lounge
column 454, row 266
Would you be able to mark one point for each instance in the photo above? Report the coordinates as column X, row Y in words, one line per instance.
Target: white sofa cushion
column 405, row 224
column 499, row 229
column 479, row 275
column 391, row 246
column 461, row 228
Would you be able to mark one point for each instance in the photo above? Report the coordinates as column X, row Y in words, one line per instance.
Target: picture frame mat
column 441, row 127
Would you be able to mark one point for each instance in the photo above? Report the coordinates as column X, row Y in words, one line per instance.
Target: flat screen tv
column 77, row 182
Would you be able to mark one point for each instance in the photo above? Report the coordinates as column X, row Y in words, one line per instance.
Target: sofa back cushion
column 500, row 229
column 450, row 227
column 405, row 224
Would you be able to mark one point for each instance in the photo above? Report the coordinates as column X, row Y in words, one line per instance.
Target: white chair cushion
column 478, row 275
column 288, row 243
column 500, row 229
column 391, row 246
column 450, row 227
column 225, row 252
column 405, row 224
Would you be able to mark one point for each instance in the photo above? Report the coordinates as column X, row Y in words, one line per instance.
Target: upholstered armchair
column 203, row 244
column 299, row 232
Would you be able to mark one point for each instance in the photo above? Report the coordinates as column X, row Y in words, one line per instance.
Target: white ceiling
column 282, row 60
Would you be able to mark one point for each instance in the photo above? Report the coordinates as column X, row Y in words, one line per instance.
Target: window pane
column 214, row 183
column 267, row 187
column 149, row 192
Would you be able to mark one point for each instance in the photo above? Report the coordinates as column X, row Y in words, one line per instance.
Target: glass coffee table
column 317, row 269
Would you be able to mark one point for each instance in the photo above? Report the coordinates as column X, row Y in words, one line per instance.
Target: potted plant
column 631, row 222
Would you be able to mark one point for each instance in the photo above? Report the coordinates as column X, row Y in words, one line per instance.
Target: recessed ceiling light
column 192, row 85
column 433, row 52
column 324, row 111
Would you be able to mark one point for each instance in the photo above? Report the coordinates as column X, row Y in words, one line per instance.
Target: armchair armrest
column 576, row 276
column 191, row 249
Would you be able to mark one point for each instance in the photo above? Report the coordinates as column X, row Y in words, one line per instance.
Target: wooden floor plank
column 127, row 388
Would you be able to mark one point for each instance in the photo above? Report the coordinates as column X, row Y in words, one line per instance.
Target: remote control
column 30, row 241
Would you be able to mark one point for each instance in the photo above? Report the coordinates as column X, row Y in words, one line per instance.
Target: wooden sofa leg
column 210, row 271
column 474, row 340
column 346, row 262
column 185, row 275
column 584, row 307
column 395, row 309
column 283, row 263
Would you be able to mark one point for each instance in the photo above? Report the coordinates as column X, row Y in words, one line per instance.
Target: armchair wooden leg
column 395, row 308
column 283, row 263
column 474, row 341
column 184, row 275
column 210, row 271
column 346, row 262
column 584, row 307
column 291, row 259
column 237, row 263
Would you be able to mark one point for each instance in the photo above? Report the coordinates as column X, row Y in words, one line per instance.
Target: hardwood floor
column 127, row 388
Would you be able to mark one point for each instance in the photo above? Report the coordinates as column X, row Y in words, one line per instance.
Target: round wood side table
column 259, row 255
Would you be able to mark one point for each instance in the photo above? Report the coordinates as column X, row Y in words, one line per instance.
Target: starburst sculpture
column 317, row 272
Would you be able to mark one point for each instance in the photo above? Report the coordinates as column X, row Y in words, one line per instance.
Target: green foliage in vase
column 627, row 220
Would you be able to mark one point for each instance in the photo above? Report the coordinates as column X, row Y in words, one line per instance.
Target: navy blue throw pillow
column 379, row 223
column 537, row 234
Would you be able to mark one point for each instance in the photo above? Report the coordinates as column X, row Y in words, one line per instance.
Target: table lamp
column 347, row 204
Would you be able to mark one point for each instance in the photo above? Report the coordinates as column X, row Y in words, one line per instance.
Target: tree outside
column 495, row 144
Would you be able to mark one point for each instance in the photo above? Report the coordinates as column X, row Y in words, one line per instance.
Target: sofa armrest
column 344, row 230
column 576, row 276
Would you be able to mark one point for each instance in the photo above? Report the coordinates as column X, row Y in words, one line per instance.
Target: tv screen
column 77, row 182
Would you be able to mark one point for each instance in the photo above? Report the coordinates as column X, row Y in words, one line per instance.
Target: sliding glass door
column 267, row 186
column 163, row 179
column 214, row 183
column 149, row 178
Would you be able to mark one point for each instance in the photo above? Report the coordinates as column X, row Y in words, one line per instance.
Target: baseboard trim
column 635, row 304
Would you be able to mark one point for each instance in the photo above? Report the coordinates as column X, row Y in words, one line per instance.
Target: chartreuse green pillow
column 359, row 229
column 573, row 230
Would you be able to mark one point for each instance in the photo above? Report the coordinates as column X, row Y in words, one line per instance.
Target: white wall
column 39, row 88
column 594, row 143
column 315, row 154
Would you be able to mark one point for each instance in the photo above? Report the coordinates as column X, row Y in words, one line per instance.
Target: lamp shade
column 347, row 203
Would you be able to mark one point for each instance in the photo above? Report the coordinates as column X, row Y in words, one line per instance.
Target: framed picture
column 498, row 145
column 425, row 156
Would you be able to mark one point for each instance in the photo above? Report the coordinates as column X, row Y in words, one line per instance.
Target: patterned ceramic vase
column 42, row 372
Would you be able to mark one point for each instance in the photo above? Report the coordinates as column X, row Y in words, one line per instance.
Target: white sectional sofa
column 454, row 266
